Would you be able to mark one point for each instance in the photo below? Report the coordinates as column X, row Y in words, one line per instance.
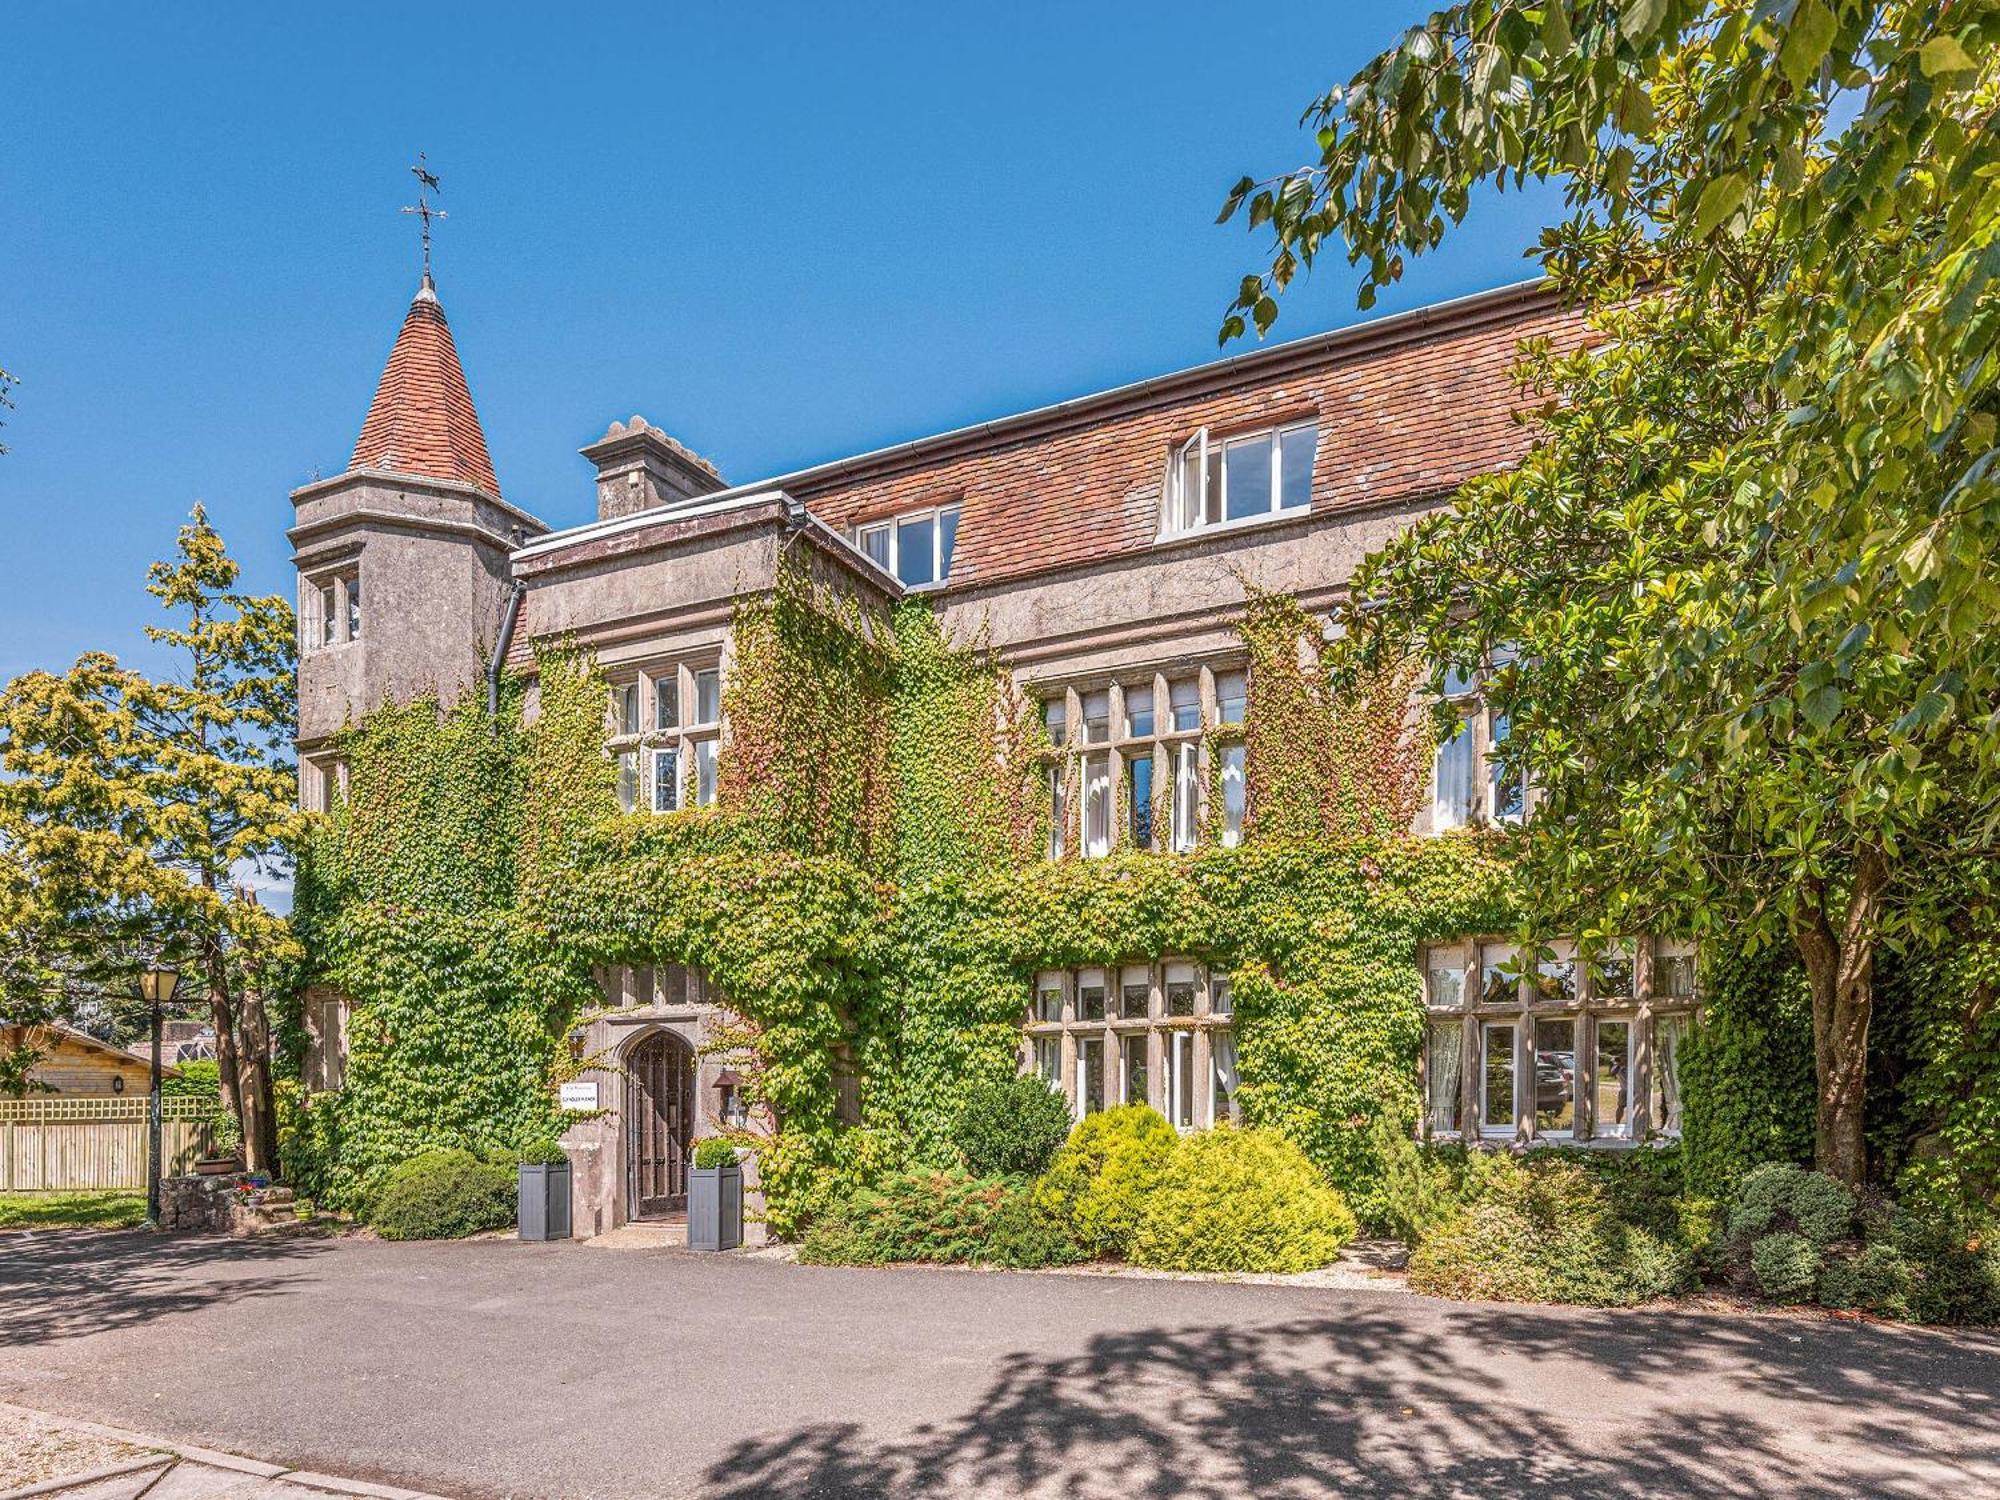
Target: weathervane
column 426, row 182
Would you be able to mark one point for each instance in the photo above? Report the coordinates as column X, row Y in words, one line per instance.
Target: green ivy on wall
column 871, row 897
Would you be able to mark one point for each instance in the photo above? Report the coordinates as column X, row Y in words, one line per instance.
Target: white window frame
column 689, row 748
column 1647, row 1013
column 892, row 528
column 1179, row 1050
column 1189, row 514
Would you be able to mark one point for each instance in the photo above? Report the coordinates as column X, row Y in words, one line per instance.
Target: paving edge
column 89, row 1476
column 190, row 1453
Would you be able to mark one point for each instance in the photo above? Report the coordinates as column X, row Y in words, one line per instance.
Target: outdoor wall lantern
column 735, row 1114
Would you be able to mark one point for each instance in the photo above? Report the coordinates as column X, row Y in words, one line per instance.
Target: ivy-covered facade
column 788, row 811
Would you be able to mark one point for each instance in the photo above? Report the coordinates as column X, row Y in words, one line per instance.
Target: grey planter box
column 715, row 1207
column 544, row 1201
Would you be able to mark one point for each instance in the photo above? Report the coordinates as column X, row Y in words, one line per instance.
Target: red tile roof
column 1408, row 410
column 422, row 420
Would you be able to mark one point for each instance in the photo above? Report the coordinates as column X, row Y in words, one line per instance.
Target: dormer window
column 916, row 548
column 1232, row 480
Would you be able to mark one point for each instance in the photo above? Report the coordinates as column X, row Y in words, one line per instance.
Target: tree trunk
column 222, row 1015
column 1840, row 968
column 260, row 1126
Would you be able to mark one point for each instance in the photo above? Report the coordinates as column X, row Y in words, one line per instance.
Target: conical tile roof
column 422, row 420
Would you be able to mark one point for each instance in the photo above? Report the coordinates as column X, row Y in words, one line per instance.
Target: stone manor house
column 1103, row 545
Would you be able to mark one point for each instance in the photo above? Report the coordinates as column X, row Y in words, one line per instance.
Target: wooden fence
column 78, row 1143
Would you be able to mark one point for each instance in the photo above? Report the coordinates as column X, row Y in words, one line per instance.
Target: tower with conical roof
column 402, row 559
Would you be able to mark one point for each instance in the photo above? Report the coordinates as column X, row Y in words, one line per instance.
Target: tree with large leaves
column 129, row 805
column 1745, row 582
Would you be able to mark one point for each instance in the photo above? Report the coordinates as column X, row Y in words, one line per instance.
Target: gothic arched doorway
column 659, row 1125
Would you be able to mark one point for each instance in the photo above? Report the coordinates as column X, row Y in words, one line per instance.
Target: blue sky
column 782, row 232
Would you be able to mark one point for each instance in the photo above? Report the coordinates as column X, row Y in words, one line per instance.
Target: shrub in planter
column 1011, row 1129
column 1241, row 1200
column 714, row 1151
column 1026, row 1235
column 443, row 1195
column 1098, row 1184
column 1545, row 1231
column 923, row 1214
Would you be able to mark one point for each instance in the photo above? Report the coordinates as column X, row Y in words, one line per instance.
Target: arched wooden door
column 659, row 1125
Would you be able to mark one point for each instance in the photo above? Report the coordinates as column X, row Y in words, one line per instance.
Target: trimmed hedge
column 1099, row 1182
column 1011, row 1129
column 1241, row 1200
column 443, row 1195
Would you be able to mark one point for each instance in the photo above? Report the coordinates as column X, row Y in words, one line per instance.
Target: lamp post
column 157, row 985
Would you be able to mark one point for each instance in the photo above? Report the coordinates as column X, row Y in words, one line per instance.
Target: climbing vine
column 870, row 895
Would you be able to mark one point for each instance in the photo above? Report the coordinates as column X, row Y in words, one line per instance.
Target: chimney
column 639, row 468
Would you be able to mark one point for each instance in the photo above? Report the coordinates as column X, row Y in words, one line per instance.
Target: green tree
column 1745, row 576
column 127, row 803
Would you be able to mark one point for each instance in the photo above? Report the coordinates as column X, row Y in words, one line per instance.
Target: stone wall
column 212, row 1205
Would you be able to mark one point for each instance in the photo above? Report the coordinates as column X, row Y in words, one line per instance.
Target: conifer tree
column 128, row 805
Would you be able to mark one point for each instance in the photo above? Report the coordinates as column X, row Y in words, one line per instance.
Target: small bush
column 924, row 1214
column 1098, row 1183
column 1545, row 1231
column 1422, row 1186
column 1786, row 1266
column 1026, row 1236
column 1241, row 1200
column 1953, row 1256
column 1780, row 1196
column 543, row 1152
column 443, row 1195
column 714, row 1151
column 1878, row 1279
column 1011, row 1129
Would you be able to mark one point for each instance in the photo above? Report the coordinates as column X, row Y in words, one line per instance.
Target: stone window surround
column 322, row 782
column 635, row 992
column 326, row 1014
column 1212, row 1012
column 335, row 588
column 686, row 739
column 1642, row 1011
column 1120, row 748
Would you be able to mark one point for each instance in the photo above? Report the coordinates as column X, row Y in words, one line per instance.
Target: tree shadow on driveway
column 57, row 1286
column 1386, row 1403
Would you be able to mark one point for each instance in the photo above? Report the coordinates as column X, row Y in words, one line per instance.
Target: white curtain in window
column 1232, row 795
column 1667, row 1034
column 1186, row 796
column 1444, row 1070
column 1451, row 781
column 1222, row 1048
column 1097, row 806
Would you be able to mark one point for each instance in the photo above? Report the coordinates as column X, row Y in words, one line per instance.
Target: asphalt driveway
column 495, row 1368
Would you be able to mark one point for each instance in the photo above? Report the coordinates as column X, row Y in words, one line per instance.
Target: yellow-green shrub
column 1099, row 1182
column 1241, row 1200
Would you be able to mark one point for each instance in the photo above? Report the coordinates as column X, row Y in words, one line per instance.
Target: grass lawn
column 71, row 1210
